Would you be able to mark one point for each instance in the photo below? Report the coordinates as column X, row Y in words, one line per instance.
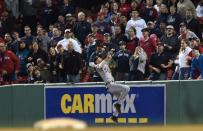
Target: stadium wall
column 21, row 105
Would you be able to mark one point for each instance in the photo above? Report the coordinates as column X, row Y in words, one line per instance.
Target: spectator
column 61, row 70
column 43, row 39
column 72, row 63
column 199, row 12
column 28, row 38
column 108, row 44
column 69, row 21
column 193, row 23
column 119, row 36
column 159, row 64
column 125, row 8
column 81, row 28
column 90, row 47
column 53, row 64
column 30, row 70
column 185, row 33
column 137, row 22
column 174, row 18
column 6, row 22
column 10, row 44
column 132, row 42
column 196, row 65
column 37, row 78
column 158, row 5
column 182, row 6
column 61, row 22
column 123, row 23
column 36, row 53
column 45, row 73
column 137, row 64
column 134, row 5
column 113, row 21
column 68, row 39
column 103, row 26
column 122, row 58
column 56, row 37
column 22, row 54
column 67, row 8
column 171, row 42
column 148, row 12
column 185, row 56
column 9, row 64
column 147, row 43
column 49, row 14
column 163, row 14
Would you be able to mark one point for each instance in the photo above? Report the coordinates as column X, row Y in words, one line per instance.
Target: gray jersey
column 103, row 70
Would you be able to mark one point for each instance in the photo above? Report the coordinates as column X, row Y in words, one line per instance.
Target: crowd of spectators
column 51, row 41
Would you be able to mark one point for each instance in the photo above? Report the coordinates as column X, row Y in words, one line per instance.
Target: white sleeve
column 128, row 26
column 77, row 47
column 91, row 64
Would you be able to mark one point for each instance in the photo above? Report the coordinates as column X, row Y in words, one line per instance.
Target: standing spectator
column 122, row 58
column 147, row 43
column 81, row 28
column 109, row 45
column 171, row 42
column 119, row 35
column 137, row 64
column 148, row 12
column 72, row 63
column 183, row 5
column 158, row 5
column 28, row 9
column 193, row 23
column 22, row 54
column 43, row 39
column 7, row 23
column 103, row 26
column 132, row 42
column 125, row 8
column 137, row 22
column 184, row 59
column 61, row 75
column 159, row 64
column 196, row 65
column 28, row 38
column 69, row 21
column 49, row 14
column 199, row 12
column 53, row 64
column 36, row 53
column 9, row 64
column 67, row 8
column 56, row 37
column 67, row 39
column 185, row 33
column 10, row 44
column 174, row 18
column 163, row 14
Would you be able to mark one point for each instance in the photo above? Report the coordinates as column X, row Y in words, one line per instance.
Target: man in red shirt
column 9, row 64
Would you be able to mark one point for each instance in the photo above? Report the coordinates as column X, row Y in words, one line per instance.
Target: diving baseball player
column 118, row 90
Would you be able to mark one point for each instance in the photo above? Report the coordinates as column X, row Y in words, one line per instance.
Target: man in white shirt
column 67, row 39
column 137, row 22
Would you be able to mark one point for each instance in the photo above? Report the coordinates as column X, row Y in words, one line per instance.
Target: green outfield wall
column 21, row 105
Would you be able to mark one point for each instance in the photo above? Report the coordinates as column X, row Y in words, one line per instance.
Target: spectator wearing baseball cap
column 185, row 33
column 171, row 42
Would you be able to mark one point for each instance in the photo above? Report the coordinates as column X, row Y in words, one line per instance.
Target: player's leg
column 120, row 91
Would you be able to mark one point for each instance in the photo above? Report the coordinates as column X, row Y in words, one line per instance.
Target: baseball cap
column 68, row 15
column 67, row 30
column 169, row 27
column 106, row 34
column 28, row 65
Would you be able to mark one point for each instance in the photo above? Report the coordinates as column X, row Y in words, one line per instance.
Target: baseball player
column 118, row 90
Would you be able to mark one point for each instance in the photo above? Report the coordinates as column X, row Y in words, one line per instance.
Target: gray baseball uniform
column 118, row 90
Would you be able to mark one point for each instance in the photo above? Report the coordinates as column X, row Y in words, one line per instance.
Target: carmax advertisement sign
column 145, row 104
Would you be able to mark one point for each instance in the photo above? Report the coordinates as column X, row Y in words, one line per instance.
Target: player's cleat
column 114, row 118
column 118, row 107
